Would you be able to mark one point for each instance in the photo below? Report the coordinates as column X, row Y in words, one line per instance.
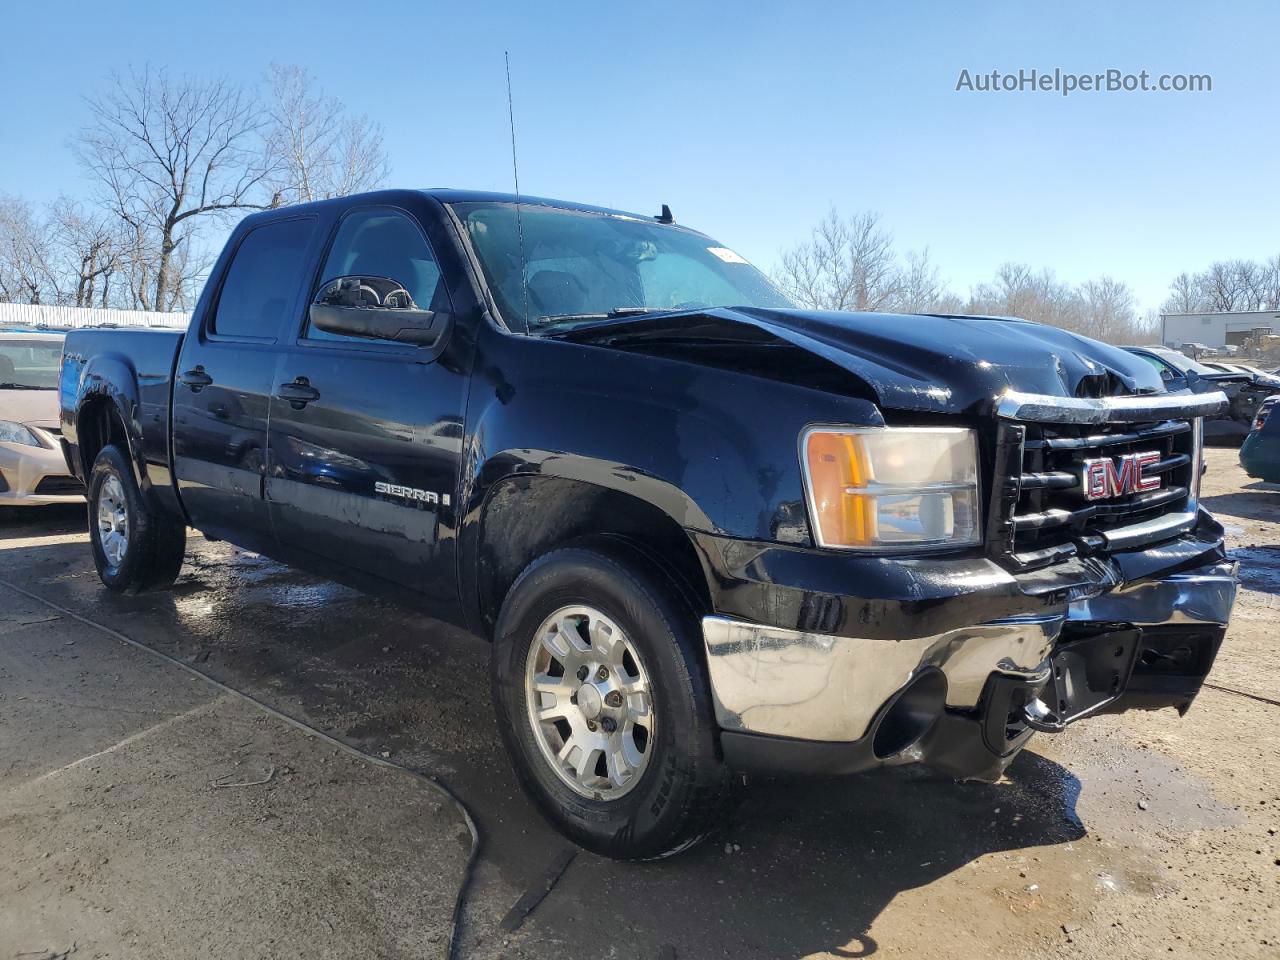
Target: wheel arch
column 525, row 516
column 99, row 423
column 107, row 411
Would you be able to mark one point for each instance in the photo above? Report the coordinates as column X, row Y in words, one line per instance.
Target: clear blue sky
column 751, row 119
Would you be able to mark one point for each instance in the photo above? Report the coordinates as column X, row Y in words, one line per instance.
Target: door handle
column 196, row 379
column 299, row 393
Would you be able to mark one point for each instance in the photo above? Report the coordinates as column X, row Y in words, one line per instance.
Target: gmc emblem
column 1116, row 476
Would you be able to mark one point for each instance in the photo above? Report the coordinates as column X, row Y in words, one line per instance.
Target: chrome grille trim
column 1040, row 408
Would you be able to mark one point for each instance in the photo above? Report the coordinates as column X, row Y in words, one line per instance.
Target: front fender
column 715, row 449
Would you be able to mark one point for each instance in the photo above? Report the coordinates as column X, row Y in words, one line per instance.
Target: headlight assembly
column 892, row 488
column 11, row 432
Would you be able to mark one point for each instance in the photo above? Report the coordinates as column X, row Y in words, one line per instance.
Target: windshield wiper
column 614, row 314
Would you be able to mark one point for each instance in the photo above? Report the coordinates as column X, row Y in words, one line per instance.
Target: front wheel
column 604, row 706
column 133, row 548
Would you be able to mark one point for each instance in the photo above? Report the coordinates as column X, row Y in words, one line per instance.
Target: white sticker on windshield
column 725, row 254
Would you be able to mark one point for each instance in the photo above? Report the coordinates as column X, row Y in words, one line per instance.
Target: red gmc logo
column 1117, row 476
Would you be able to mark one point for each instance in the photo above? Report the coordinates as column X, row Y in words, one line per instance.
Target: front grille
column 1039, row 511
column 58, row 487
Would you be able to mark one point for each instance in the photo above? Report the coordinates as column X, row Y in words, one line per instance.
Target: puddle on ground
column 1259, row 568
column 1122, row 787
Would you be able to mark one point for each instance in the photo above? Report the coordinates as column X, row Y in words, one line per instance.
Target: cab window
column 1162, row 368
column 382, row 243
column 262, row 281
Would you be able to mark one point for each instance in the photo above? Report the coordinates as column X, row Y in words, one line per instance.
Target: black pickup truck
column 705, row 531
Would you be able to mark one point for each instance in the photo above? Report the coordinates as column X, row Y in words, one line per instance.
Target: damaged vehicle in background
column 705, row 530
column 1245, row 389
column 33, row 471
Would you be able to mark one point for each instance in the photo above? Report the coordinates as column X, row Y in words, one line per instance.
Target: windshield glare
column 1186, row 364
column 30, row 364
column 581, row 264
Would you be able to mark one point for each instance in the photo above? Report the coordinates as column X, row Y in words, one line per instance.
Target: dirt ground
column 146, row 813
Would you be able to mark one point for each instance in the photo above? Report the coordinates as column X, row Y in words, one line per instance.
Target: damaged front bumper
column 966, row 699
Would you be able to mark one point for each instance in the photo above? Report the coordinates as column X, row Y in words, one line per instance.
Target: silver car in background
column 33, row 471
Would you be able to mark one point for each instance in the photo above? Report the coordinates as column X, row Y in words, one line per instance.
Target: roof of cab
column 446, row 195
column 12, row 334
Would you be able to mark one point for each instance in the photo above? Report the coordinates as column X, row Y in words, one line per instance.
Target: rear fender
column 107, row 381
column 108, row 386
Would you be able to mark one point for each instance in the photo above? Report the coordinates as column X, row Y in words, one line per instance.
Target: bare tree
column 1109, row 310
column 168, row 153
column 1020, row 291
column 1225, row 287
column 846, row 264
column 321, row 151
column 920, row 285
column 87, row 244
column 1269, row 284
column 28, row 272
column 1185, row 295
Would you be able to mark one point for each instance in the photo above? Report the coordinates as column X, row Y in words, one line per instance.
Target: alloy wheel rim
column 113, row 521
column 589, row 703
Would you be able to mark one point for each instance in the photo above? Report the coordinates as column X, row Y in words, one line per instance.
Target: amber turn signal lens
column 837, row 467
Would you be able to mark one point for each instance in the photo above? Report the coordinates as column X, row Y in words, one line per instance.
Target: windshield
column 29, row 364
column 1185, row 364
column 582, row 266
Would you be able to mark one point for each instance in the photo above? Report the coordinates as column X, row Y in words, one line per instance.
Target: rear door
column 365, row 442
column 224, row 378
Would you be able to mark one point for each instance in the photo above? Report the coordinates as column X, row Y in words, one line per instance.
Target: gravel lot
column 131, row 824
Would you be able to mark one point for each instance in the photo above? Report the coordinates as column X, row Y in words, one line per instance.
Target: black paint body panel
column 684, row 427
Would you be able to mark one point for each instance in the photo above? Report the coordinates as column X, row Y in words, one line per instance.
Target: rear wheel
column 133, row 548
column 604, row 705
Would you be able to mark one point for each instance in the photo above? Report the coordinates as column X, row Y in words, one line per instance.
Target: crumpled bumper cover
column 965, row 699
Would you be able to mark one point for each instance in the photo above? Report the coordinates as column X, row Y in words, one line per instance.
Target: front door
column 365, row 443
column 223, row 383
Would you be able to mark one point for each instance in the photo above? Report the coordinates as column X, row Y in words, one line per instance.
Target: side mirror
column 375, row 307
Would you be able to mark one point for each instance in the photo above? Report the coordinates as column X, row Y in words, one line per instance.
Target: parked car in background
column 1245, row 388
column 1260, row 377
column 33, row 471
column 1260, row 452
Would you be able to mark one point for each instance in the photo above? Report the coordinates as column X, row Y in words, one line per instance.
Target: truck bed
column 100, row 364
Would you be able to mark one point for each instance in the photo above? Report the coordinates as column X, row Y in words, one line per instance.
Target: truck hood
column 910, row 362
column 35, row 408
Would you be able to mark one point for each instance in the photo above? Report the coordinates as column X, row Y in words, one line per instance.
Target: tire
column 664, row 790
column 153, row 546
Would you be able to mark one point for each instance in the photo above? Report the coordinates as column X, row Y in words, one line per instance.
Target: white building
column 35, row 315
column 1215, row 330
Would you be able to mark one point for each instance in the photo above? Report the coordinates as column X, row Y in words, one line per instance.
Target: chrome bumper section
column 811, row 686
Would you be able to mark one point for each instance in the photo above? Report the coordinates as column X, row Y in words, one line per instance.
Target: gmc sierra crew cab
column 705, row 531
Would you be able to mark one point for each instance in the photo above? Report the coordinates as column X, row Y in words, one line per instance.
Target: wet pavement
column 1140, row 835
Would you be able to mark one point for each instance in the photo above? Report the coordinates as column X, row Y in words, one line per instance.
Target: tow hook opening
column 911, row 715
column 1089, row 670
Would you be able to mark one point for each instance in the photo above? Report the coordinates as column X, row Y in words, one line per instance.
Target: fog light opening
column 911, row 715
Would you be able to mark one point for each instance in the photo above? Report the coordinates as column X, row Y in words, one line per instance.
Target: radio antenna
column 515, row 173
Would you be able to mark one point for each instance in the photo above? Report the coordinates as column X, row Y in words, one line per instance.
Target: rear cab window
column 262, row 282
